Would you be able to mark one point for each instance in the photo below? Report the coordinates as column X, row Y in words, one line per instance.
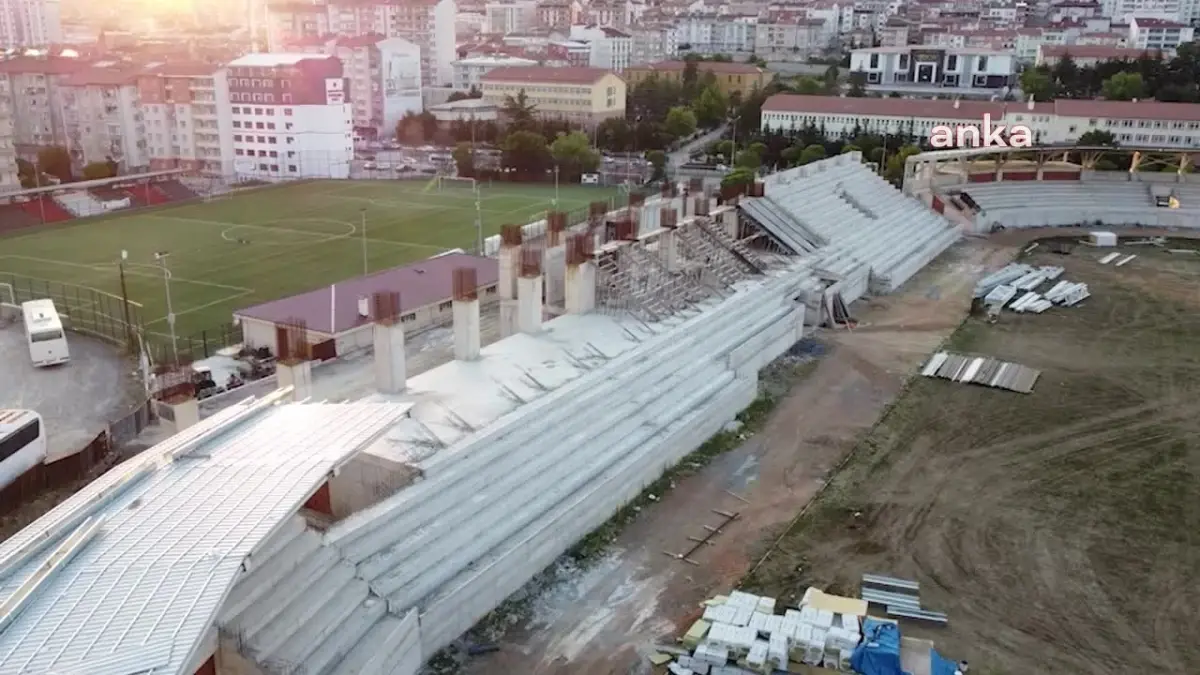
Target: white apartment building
column 801, row 36
column 1159, row 34
column 653, row 43
column 1183, row 11
column 1144, row 123
column 716, row 34
column 608, row 48
column 384, row 75
column 468, row 72
column 187, row 125
column 511, row 16
column 36, row 105
column 430, row 24
column 29, row 23
column 924, row 70
column 102, row 118
column 292, row 117
column 9, row 182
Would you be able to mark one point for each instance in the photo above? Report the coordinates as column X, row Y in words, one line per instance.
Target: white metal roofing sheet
column 146, row 589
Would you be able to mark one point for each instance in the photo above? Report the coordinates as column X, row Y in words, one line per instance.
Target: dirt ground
column 1058, row 530
column 606, row 619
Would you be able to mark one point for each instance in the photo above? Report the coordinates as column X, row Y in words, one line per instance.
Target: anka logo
column 987, row 135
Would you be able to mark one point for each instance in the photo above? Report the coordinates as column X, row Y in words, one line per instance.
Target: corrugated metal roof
column 178, row 522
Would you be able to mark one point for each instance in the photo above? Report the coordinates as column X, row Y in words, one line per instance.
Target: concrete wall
column 366, row 480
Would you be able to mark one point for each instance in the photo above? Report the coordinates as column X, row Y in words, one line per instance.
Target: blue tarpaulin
column 879, row 652
column 940, row 665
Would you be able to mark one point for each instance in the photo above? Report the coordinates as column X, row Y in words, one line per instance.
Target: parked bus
column 22, row 443
column 44, row 332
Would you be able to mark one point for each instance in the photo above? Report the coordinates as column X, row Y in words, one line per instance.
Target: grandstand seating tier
column 1064, row 203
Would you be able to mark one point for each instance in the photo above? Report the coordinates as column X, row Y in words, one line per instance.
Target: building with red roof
column 579, row 96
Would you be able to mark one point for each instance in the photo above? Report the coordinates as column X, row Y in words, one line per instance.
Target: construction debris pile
column 1015, row 287
column 980, row 370
column 900, row 598
column 745, row 634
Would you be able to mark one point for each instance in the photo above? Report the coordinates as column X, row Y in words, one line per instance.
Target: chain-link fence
column 192, row 347
column 83, row 309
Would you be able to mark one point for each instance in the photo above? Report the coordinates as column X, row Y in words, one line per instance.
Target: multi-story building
column 922, row 70
column 1182, row 11
column 29, row 23
column 789, row 38
column 9, row 182
column 187, row 124
column 653, row 43
column 510, row 16
column 1159, row 34
column 568, row 53
column 1142, row 123
column 430, row 24
column 385, row 81
column 730, row 77
column 608, row 48
column 894, row 33
column 102, row 118
column 716, row 33
column 468, row 73
column 558, row 14
column 292, row 117
column 1085, row 56
column 36, row 100
column 579, row 96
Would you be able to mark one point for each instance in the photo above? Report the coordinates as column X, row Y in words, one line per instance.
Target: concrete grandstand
column 60, row 203
column 629, row 341
column 989, row 189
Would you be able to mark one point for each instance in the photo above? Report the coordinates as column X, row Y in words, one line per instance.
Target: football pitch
column 239, row 250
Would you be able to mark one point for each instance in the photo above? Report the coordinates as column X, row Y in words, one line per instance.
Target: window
column 262, row 167
column 238, row 152
column 262, row 139
column 237, row 124
column 46, row 336
column 20, row 438
column 258, row 111
column 287, row 98
column 292, row 168
column 288, row 126
column 237, row 138
column 236, row 110
column 904, row 62
column 952, row 62
column 446, row 305
column 983, row 63
column 874, row 60
column 287, row 112
column 406, row 318
column 274, row 154
column 270, row 125
column 258, row 99
column 275, row 167
column 272, row 140
column 258, row 125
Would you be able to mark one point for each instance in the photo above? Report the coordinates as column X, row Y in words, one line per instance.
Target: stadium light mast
column 161, row 257
column 363, row 226
column 125, row 298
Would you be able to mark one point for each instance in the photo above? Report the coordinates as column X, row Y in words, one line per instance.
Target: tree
column 471, row 93
column 651, row 98
column 27, row 173
column 858, row 85
column 574, row 155
column 1097, row 137
column 748, row 159
column 809, row 86
column 710, row 108
column 831, row 80
column 614, row 134
column 518, row 112
column 410, row 129
column 737, row 177
column 723, row 148
column 98, row 171
column 812, row 154
column 681, row 122
column 55, row 161
column 464, row 159
column 1038, row 83
column 792, row 155
column 895, row 165
column 1124, row 87
column 658, row 160
column 525, row 154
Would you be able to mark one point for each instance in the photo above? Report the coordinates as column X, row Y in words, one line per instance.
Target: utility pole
column 363, row 217
column 161, row 257
column 475, row 179
column 125, row 299
column 556, row 185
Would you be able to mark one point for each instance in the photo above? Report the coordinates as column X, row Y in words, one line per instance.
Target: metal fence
column 98, row 456
column 83, row 309
column 192, row 347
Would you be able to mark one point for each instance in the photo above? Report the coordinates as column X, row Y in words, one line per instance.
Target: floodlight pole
column 556, row 185
column 363, row 226
column 161, row 257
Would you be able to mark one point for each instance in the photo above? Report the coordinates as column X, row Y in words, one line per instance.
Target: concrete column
column 297, row 375
column 391, row 368
column 466, row 329
column 506, row 288
column 581, row 288
column 554, row 263
column 729, row 221
column 668, row 249
column 529, row 304
column 508, row 317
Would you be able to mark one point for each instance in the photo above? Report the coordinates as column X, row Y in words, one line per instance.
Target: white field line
column 131, row 271
column 320, row 237
column 189, row 310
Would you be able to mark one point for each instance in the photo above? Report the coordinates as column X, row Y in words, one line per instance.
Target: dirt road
column 605, row 618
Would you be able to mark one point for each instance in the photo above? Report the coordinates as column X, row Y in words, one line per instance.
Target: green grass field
column 262, row 245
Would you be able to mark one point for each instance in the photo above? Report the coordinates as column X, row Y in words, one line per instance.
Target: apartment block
column 36, row 104
column 1159, row 34
column 29, row 23
column 468, row 73
column 187, row 123
column 102, row 117
column 511, row 16
column 922, row 70
column 8, row 152
column 608, row 48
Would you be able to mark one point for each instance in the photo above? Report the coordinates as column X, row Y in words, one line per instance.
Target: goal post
column 443, row 183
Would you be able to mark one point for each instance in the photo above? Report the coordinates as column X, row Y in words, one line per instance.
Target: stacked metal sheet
column 1000, row 295
column 901, row 597
column 1001, row 277
column 1067, row 293
column 981, row 370
column 1030, row 302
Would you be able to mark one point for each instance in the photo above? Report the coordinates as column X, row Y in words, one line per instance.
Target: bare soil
column 1058, row 530
column 608, row 617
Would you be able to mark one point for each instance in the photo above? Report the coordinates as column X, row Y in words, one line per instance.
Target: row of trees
column 777, row 150
column 54, row 166
column 1148, row 76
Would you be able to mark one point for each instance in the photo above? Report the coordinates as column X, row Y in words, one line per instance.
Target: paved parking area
column 77, row 399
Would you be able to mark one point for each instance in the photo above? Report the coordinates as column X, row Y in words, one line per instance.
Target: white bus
column 22, row 443
column 44, row 332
